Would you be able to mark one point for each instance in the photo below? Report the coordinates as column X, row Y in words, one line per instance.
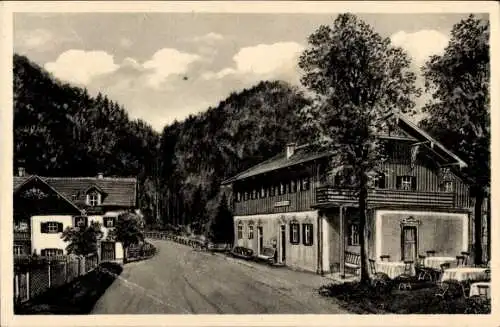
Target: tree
column 459, row 113
column 83, row 240
column 128, row 231
column 357, row 80
column 222, row 228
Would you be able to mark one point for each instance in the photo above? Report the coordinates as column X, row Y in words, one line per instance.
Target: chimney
column 290, row 149
column 21, row 171
column 100, row 175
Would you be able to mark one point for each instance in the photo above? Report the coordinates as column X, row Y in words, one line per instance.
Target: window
column 281, row 189
column 240, row 230
column 447, row 186
column 353, row 237
column 94, row 199
column 406, row 183
column 250, row 232
column 80, row 221
column 51, row 227
column 307, row 234
column 293, row 186
column 272, row 190
column 380, row 181
column 109, row 222
column 287, row 187
column 18, row 249
column 294, row 233
column 254, row 194
column 305, row 184
column 262, row 193
column 51, row 252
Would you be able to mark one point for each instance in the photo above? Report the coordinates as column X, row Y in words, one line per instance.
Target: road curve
column 180, row 280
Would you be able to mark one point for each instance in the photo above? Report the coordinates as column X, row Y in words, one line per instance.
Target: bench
column 352, row 261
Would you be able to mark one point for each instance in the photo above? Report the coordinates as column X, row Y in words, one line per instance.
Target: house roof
column 303, row 154
column 118, row 191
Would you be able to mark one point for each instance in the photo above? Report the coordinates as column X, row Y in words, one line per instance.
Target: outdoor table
column 393, row 269
column 435, row 262
column 474, row 289
column 464, row 273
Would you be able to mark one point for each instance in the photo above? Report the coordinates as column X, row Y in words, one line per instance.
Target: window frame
column 93, row 198
column 353, row 236
column 307, row 234
column 294, row 233
column 52, row 227
column 239, row 231
column 403, row 180
column 251, row 231
column 18, row 247
column 108, row 219
column 445, row 184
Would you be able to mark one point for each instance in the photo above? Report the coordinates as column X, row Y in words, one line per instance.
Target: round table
column 393, row 269
column 465, row 273
column 436, row 262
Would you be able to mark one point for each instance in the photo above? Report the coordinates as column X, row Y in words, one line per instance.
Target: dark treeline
column 60, row 130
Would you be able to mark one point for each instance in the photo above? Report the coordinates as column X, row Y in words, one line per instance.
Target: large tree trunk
column 478, row 226
column 363, row 197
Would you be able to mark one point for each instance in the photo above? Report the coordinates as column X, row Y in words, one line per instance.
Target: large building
column 306, row 210
column 45, row 206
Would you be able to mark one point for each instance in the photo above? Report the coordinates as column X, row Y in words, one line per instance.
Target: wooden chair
column 385, row 257
column 466, row 257
column 378, row 278
column 422, row 272
column 430, row 253
column 405, row 279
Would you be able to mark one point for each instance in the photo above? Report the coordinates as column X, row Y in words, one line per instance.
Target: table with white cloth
column 436, row 262
column 464, row 274
column 474, row 288
column 393, row 269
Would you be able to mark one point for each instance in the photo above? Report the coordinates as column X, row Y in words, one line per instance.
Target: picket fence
column 35, row 275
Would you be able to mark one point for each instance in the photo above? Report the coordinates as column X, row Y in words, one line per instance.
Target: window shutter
column 381, row 181
column 304, row 241
column 59, row 227
column 43, row 227
column 399, row 179
column 291, row 234
column 311, row 236
column 413, row 183
column 86, row 219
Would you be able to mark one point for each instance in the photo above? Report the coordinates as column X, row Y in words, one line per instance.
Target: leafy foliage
column 459, row 113
column 222, row 228
column 128, row 231
column 357, row 81
column 83, row 240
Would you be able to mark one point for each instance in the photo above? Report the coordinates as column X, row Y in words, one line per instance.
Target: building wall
column 41, row 240
column 445, row 233
column 297, row 255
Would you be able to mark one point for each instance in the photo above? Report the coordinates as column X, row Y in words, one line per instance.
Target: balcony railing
column 22, row 236
column 329, row 195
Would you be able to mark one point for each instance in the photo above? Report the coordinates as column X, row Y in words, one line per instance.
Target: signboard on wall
column 282, row 203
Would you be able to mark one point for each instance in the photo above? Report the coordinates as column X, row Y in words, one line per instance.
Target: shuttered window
column 51, row 227
column 407, row 183
column 240, row 230
column 80, row 221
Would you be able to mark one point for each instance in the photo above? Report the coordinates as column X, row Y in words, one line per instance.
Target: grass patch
column 366, row 299
column 77, row 297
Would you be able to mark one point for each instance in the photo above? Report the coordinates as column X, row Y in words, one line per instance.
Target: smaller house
column 45, row 206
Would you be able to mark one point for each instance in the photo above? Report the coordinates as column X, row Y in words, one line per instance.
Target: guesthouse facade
column 45, row 206
column 297, row 204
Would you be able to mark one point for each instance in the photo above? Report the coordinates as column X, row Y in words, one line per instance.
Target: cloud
column 126, row 42
column 33, row 40
column 167, row 62
column 278, row 60
column 208, row 38
column 79, row 66
column 422, row 44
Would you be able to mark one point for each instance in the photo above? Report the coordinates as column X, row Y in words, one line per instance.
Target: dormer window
column 94, row 199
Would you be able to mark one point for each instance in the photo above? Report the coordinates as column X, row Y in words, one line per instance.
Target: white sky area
column 165, row 66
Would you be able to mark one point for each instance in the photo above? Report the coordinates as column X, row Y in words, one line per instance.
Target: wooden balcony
column 327, row 196
column 22, row 236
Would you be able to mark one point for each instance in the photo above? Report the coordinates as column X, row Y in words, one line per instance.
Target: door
column 409, row 243
column 108, row 251
column 261, row 239
column 283, row 243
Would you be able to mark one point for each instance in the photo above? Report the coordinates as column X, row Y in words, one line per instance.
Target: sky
column 164, row 66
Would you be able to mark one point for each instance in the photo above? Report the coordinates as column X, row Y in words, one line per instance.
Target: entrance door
column 409, row 243
column 261, row 238
column 283, row 243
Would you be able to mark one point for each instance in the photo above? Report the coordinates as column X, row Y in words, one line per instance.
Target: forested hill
column 243, row 130
column 60, row 130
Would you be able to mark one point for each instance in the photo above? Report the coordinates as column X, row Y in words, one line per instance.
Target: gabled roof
column 118, row 191
column 303, row 154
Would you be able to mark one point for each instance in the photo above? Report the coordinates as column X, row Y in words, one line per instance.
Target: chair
column 466, row 257
column 461, row 260
column 422, row 272
column 379, row 278
column 385, row 257
column 430, row 253
column 406, row 278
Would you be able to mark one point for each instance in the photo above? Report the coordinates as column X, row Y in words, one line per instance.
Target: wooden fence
column 35, row 275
